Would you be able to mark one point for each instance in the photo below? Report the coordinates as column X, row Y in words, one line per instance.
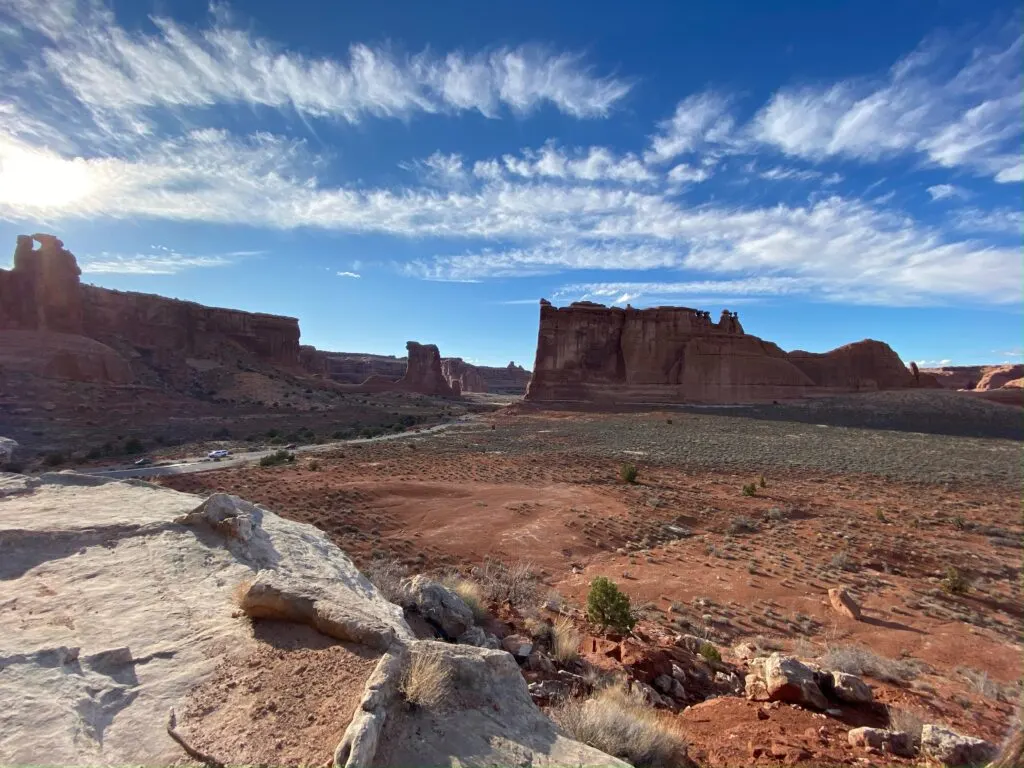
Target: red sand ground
column 573, row 519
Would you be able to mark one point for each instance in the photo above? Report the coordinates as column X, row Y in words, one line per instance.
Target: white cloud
column 552, row 162
column 683, row 173
column 946, row 191
column 1009, row 221
column 931, row 363
column 119, row 75
column 780, row 173
column 149, row 264
column 348, row 274
column 699, row 119
column 965, row 116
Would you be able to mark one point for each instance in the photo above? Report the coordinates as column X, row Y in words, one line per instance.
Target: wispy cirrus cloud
column 120, row 76
column 947, row 191
column 956, row 108
column 598, row 164
column 348, row 274
column 161, row 260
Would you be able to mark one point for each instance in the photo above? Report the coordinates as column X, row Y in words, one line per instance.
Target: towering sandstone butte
column 423, row 373
column 589, row 352
column 44, row 293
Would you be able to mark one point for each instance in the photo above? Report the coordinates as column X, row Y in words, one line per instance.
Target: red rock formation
column 44, row 293
column 998, row 376
column 511, row 380
column 423, row 371
column 588, row 352
column 468, row 377
column 863, row 365
column 355, row 367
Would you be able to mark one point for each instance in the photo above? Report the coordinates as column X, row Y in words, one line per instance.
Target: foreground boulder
column 880, row 740
column 843, row 604
column 7, row 449
column 437, row 604
column 783, row 678
column 129, row 639
column 953, row 749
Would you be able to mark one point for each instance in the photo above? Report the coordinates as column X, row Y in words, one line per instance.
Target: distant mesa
column 57, row 327
column 588, row 352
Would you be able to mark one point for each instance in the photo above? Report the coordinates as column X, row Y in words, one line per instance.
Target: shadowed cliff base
column 932, row 412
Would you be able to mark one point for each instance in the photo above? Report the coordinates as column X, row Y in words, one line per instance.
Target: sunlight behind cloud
column 40, row 179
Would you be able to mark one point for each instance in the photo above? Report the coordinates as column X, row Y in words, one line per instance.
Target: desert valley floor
column 930, row 487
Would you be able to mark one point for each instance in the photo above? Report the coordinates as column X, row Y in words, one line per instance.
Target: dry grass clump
column 515, row 584
column 565, row 640
column 906, row 720
column 618, row 722
column 472, row 594
column 386, row 575
column 426, row 680
column 861, row 661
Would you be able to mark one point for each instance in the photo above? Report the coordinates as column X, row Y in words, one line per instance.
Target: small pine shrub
column 955, row 583
column 750, row 489
column 607, row 606
column 709, row 652
column 628, row 473
column 134, row 445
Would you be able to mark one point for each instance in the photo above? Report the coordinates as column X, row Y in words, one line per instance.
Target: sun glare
column 42, row 180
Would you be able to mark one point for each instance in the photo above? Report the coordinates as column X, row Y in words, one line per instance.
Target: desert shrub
column 607, row 606
column 222, row 433
column 314, row 465
column 426, row 680
column 515, row 584
column 861, row 661
column 133, row 445
column 959, row 523
column 954, row 582
column 14, row 466
column 618, row 722
column 628, row 473
column 843, row 562
column 775, row 515
column 54, row 459
column 386, row 575
column 93, row 453
column 710, row 653
column 749, row 489
column 742, row 524
column 762, row 482
column 277, row 457
column 565, row 640
column 905, row 720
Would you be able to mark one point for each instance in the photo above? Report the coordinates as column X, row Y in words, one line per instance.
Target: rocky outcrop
column 134, row 669
column 468, row 377
column 999, row 376
column 63, row 356
column 864, row 365
column 7, row 449
column 783, row 678
column 843, row 604
column 44, row 293
column 953, row 749
column 974, row 377
column 592, row 353
column 437, row 604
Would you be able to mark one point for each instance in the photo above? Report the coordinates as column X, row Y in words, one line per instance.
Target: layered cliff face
column 588, row 352
column 510, row 380
column 355, row 368
column 44, row 293
column 458, row 372
column 974, row 377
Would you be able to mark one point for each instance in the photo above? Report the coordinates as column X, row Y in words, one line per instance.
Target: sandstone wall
column 588, row 352
column 355, row 368
column 44, row 293
column 510, row 380
column 467, row 377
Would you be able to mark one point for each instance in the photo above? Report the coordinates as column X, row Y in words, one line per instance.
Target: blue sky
column 429, row 171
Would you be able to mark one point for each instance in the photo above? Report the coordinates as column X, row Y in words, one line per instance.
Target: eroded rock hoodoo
column 589, row 352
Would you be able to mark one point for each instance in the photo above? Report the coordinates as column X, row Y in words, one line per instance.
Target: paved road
column 202, row 464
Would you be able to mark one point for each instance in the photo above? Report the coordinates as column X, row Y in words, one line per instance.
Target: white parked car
column 218, row 454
